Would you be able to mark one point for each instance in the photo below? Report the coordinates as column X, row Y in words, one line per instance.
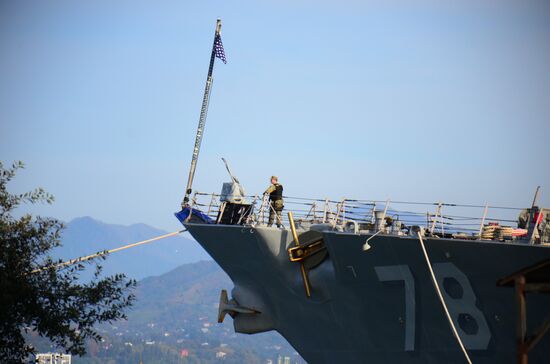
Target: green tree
column 35, row 295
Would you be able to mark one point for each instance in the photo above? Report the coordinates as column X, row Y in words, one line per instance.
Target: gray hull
column 379, row 306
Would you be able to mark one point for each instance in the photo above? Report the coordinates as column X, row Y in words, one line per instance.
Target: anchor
column 231, row 307
column 306, row 251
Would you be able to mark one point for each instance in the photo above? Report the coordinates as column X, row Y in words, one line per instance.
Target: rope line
column 436, row 285
column 105, row 252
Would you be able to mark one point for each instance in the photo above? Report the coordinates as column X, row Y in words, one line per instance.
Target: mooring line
column 438, row 290
column 105, row 252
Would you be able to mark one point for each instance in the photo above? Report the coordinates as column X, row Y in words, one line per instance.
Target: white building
column 53, row 358
column 283, row 360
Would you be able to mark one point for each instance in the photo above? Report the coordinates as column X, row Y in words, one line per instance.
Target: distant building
column 220, row 355
column 285, row 360
column 184, row 353
column 53, row 358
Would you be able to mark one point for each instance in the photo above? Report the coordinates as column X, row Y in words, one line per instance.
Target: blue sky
column 420, row 101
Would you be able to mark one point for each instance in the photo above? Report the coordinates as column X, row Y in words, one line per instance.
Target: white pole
column 202, row 118
column 483, row 219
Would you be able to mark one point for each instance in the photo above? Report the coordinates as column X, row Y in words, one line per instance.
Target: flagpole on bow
column 217, row 51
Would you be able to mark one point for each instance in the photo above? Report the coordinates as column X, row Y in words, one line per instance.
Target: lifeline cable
column 105, row 252
column 436, row 285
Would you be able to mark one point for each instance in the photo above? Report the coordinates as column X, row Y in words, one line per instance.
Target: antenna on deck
column 217, row 51
column 229, row 171
column 534, row 215
column 535, row 198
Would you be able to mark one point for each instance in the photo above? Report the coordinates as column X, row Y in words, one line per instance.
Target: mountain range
column 85, row 235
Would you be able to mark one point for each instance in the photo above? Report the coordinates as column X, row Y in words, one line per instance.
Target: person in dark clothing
column 276, row 206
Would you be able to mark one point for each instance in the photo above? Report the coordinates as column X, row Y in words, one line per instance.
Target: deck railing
column 435, row 218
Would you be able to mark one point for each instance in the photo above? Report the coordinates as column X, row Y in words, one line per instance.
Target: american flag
column 218, row 48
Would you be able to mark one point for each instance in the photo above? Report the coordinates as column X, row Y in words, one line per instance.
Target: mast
column 204, row 111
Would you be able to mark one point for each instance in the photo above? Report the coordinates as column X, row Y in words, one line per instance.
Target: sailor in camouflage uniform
column 275, row 192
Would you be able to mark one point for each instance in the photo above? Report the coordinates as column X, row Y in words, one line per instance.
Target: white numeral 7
column 402, row 273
